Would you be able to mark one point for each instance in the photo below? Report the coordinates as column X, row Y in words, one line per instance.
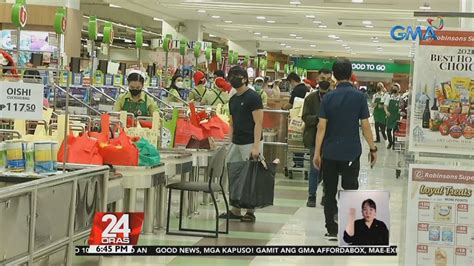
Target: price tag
column 21, row 100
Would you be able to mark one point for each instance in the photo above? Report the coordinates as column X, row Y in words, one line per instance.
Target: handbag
column 251, row 184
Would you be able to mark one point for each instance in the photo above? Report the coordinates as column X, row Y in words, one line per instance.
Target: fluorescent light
column 358, row 1
column 299, row 37
column 201, row 11
column 257, row 33
column 216, row 16
column 425, row 7
column 292, row 35
column 228, row 21
column 271, row 21
column 157, row 19
column 344, row 45
column 322, row 26
column 367, row 22
column 317, row 22
column 260, row 17
column 212, row 35
column 369, row 26
column 100, row 35
column 127, row 41
column 376, row 41
column 265, row 37
column 287, row 46
column 146, row 44
column 313, row 45
column 295, row 2
column 282, row 44
column 116, row 6
column 310, row 16
column 332, row 36
column 339, row 40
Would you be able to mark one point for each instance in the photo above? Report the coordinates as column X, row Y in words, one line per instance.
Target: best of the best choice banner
column 440, row 216
column 444, row 76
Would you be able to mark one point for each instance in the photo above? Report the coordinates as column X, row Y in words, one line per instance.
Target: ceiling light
column 292, row 35
column 216, row 16
column 358, row 1
column 425, row 7
column 201, row 11
column 317, row 22
column 332, row 36
column 367, row 22
column 344, row 45
column 287, row 46
column 212, row 35
column 376, row 41
column 374, row 38
column 282, row 44
column 322, row 26
column 339, row 40
column 260, row 17
column 116, row 6
column 295, row 2
column 313, row 45
column 310, row 16
column 271, row 21
column 257, row 33
column 157, row 19
column 228, row 21
column 369, row 26
column 127, row 41
column 146, row 44
column 265, row 37
column 299, row 37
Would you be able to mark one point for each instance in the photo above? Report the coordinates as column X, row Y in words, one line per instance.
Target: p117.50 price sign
column 21, row 100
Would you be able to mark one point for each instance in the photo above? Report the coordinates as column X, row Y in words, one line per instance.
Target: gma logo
column 400, row 33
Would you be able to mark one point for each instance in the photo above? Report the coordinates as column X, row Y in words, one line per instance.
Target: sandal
column 232, row 216
column 248, row 218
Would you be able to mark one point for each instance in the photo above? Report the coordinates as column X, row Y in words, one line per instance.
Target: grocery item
column 447, row 235
column 30, row 158
column 455, row 132
column 442, row 212
column 43, row 157
column 441, row 258
column 16, row 155
column 434, row 233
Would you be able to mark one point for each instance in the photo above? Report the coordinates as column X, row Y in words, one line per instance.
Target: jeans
column 314, row 179
column 331, row 170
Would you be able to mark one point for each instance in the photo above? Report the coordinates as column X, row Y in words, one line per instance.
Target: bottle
column 434, row 109
column 426, row 115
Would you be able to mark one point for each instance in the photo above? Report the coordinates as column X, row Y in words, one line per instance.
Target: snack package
column 447, row 235
column 461, row 86
column 434, row 233
column 442, row 212
column 449, row 92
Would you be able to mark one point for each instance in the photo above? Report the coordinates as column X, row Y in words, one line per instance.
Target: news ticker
column 129, row 250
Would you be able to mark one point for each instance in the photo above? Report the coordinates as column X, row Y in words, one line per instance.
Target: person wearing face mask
column 246, row 126
column 367, row 231
column 298, row 89
column 392, row 110
column 177, row 85
column 135, row 101
column 310, row 116
column 380, row 117
column 200, row 90
column 259, row 88
column 215, row 96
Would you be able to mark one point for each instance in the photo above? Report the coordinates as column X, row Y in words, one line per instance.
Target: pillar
column 243, row 47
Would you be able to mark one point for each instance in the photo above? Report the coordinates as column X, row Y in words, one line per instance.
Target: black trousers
column 391, row 135
column 331, row 170
column 380, row 128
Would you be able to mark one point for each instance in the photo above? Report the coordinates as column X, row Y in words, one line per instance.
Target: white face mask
column 179, row 85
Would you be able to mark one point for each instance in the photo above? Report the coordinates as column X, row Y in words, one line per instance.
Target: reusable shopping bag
column 185, row 130
column 148, row 154
column 119, row 151
column 81, row 150
column 251, row 184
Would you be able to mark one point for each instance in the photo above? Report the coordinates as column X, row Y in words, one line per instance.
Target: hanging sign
column 276, row 67
column 230, row 56
column 197, row 49
column 442, row 109
column 287, row 69
column 219, row 55
column 108, row 33
column 139, row 38
column 92, row 28
column 209, row 54
column 182, row 46
column 21, row 100
column 19, row 14
column 235, row 57
column 166, row 44
column 60, row 21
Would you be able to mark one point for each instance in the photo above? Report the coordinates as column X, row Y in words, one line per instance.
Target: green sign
column 139, row 38
column 319, row 63
column 182, row 46
column 60, row 20
column 19, row 14
column 219, row 55
column 108, row 33
column 92, row 28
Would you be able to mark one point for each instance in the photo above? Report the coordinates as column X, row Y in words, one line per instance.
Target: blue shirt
column 343, row 108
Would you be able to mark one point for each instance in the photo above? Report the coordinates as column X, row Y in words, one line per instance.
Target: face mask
column 179, row 85
column 236, row 83
column 324, row 86
column 135, row 92
column 258, row 87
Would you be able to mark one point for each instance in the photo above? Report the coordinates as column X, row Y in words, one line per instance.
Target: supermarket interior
column 237, row 132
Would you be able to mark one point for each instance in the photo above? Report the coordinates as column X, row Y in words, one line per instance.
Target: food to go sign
column 369, row 67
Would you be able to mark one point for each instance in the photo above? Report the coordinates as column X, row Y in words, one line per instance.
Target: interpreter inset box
column 431, row 255
column 465, row 214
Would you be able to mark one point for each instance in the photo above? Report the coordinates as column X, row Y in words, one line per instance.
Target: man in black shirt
column 246, row 110
column 299, row 89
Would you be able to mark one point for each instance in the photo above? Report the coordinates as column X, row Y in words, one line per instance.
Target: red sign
column 116, row 228
column 23, row 16
column 63, row 24
column 451, row 38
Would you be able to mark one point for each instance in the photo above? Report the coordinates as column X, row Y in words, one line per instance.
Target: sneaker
column 232, row 216
column 322, row 201
column 311, row 202
column 330, row 237
column 389, row 146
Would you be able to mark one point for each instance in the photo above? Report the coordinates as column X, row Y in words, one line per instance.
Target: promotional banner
column 440, row 216
column 442, row 109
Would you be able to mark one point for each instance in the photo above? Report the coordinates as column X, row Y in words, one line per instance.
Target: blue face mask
column 258, row 87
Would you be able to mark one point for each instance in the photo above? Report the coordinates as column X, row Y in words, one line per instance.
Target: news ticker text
column 117, row 250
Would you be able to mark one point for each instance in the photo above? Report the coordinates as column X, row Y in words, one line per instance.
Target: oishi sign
column 21, row 100
column 400, row 33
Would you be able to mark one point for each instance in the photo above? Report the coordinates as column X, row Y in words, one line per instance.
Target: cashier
column 135, row 101
column 198, row 93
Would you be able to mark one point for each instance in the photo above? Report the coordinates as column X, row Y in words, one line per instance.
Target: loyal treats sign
column 442, row 110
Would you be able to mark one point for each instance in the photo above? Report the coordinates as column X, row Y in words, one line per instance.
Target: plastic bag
column 148, row 154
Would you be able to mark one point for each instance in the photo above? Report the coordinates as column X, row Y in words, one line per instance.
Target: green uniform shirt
column 174, row 92
column 264, row 97
column 144, row 107
column 197, row 93
column 214, row 97
column 379, row 111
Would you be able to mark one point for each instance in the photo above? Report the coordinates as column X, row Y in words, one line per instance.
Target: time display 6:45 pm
column 18, row 107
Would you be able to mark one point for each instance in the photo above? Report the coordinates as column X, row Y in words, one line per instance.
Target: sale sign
column 21, row 100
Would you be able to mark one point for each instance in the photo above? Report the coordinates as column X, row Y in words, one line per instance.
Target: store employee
column 135, row 101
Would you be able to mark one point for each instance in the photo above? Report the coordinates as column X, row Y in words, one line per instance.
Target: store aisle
column 289, row 222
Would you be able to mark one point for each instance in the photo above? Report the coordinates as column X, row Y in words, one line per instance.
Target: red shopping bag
column 146, row 124
column 184, row 130
column 81, row 150
column 119, row 151
column 216, row 120
column 211, row 129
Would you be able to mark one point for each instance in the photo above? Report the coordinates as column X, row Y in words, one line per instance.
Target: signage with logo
column 400, row 33
column 116, row 228
column 318, row 63
column 19, row 14
column 21, row 100
column 175, row 44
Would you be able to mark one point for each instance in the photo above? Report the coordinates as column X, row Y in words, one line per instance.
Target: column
column 243, row 47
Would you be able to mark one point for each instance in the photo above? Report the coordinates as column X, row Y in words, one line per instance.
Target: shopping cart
column 296, row 154
column 403, row 157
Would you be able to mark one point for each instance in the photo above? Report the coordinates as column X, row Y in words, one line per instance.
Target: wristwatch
column 374, row 150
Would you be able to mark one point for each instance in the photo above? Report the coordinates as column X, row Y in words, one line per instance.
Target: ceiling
column 314, row 27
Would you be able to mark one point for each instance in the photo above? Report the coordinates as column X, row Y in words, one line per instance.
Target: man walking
column 246, row 122
column 338, row 147
column 310, row 117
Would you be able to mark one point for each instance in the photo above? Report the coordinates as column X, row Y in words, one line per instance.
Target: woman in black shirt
column 367, row 231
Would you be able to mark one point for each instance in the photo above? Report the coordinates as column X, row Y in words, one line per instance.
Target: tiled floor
column 288, row 222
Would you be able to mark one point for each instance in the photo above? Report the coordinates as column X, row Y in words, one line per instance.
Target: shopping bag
column 212, row 129
column 185, row 130
column 148, row 154
column 203, row 144
column 216, row 120
column 251, row 184
column 81, row 150
column 119, row 151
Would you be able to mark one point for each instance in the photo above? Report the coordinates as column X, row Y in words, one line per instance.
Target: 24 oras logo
column 116, row 228
column 400, row 33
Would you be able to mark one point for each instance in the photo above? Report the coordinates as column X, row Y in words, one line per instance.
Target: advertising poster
column 442, row 113
column 440, row 216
